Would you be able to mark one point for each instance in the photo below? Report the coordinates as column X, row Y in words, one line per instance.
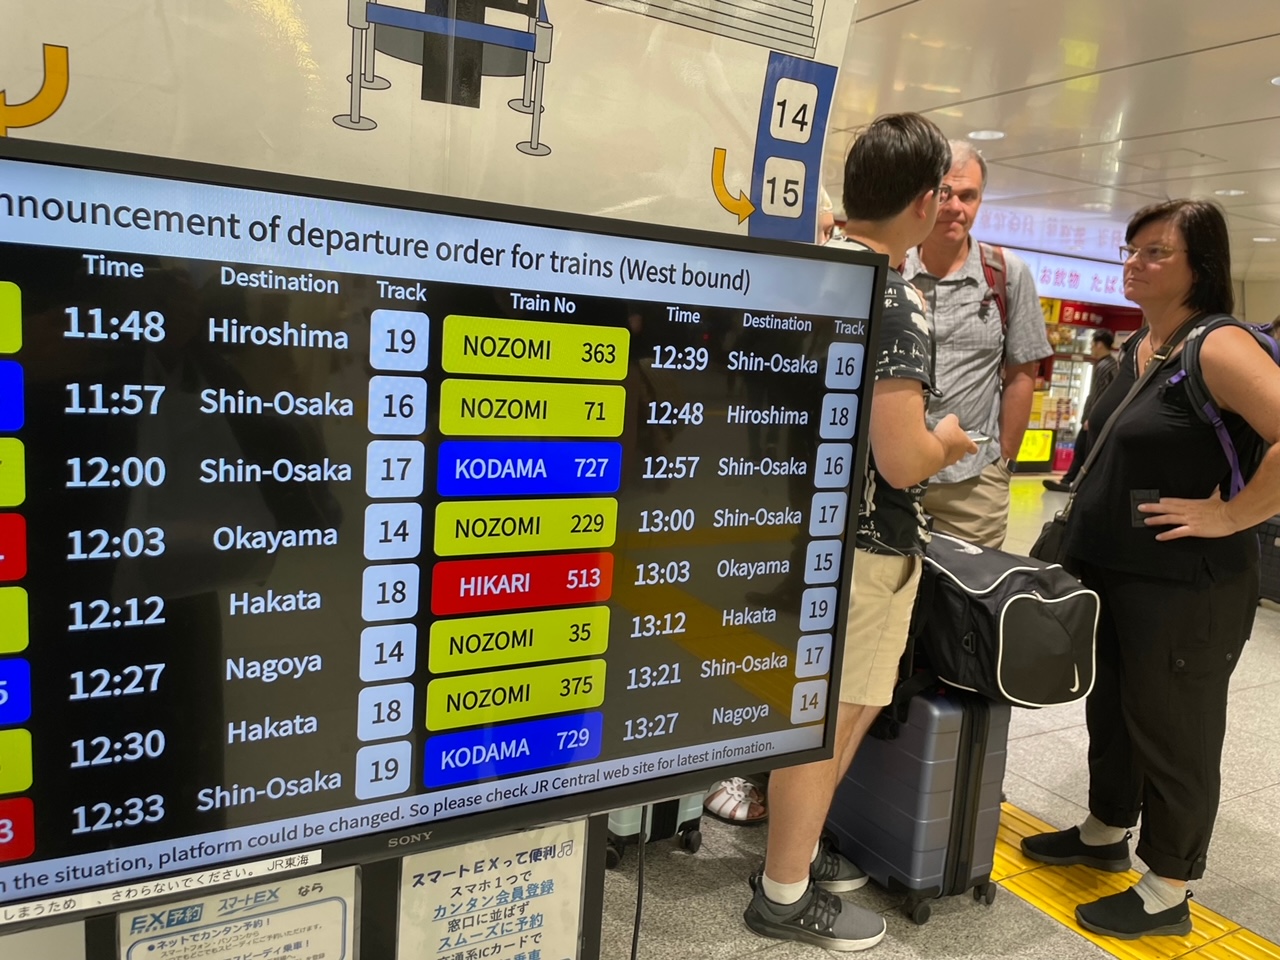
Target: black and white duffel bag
column 1011, row 628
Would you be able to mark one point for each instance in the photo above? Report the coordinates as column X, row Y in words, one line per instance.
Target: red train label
column 511, row 583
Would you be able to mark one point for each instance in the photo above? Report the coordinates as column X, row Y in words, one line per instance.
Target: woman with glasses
column 1176, row 566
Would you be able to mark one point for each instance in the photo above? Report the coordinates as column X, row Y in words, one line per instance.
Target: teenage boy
column 892, row 189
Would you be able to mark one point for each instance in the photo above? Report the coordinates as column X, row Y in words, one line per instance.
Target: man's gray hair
column 962, row 151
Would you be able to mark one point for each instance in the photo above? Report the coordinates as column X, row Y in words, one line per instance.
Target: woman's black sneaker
column 819, row 918
column 1123, row 916
column 1065, row 849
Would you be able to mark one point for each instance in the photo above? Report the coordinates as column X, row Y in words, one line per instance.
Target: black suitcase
column 919, row 809
column 1269, row 559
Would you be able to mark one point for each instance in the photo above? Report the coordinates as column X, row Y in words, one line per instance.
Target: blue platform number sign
column 788, row 160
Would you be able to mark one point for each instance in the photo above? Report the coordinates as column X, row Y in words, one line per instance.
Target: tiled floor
column 693, row 904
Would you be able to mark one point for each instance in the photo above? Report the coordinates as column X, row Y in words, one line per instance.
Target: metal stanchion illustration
column 358, row 20
column 366, row 16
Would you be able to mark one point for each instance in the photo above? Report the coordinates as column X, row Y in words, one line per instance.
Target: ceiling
column 1106, row 105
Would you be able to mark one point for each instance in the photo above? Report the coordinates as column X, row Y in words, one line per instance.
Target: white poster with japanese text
column 517, row 897
column 54, row 943
column 304, row 918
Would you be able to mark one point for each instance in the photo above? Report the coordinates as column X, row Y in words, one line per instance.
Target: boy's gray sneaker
column 819, row 918
column 833, row 872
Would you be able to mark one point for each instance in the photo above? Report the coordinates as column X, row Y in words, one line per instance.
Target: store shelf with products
column 1063, row 379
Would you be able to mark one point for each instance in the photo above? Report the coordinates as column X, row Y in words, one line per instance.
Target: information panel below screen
column 322, row 518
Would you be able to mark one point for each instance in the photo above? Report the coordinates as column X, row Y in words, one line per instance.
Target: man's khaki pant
column 975, row 510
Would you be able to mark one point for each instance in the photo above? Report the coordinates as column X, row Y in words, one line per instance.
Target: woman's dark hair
column 894, row 160
column 1204, row 229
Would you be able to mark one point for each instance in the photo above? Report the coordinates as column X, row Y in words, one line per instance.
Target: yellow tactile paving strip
column 1058, row 890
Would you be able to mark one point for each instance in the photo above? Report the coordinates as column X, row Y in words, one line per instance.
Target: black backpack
column 1202, row 400
column 1013, row 629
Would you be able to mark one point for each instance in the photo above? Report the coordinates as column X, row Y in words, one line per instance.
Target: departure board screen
column 328, row 514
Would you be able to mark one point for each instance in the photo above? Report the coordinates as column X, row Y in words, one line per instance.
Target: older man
column 990, row 335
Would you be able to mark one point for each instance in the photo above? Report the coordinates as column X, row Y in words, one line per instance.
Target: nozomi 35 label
column 477, row 643
column 307, row 535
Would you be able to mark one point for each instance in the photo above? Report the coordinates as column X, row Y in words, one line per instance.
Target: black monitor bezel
column 456, row 830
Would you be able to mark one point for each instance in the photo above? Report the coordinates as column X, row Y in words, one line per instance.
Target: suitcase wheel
column 612, row 855
column 691, row 840
column 985, row 893
column 919, row 912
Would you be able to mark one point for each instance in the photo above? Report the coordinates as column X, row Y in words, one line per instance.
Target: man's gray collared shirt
column 972, row 350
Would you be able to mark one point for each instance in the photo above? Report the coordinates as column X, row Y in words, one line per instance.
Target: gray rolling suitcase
column 664, row 820
column 919, row 809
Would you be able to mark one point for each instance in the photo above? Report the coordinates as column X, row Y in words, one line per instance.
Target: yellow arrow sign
column 57, row 78
column 741, row 205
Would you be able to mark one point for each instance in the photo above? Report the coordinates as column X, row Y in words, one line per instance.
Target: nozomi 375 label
column 302, row 542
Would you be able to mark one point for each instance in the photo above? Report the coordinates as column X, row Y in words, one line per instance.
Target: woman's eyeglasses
column 944, row 193
column 1151, row 253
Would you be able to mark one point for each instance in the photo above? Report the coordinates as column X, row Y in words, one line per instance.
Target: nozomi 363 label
column 531, row 348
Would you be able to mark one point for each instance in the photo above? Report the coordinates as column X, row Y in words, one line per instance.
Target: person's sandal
column 736, row 801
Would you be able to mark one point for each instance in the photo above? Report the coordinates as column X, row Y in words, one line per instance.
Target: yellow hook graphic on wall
column 57, row 78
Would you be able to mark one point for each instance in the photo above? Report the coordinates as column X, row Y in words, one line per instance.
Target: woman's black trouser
column 1157, row 715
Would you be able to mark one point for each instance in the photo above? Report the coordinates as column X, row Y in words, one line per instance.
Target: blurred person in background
column 1105, row 369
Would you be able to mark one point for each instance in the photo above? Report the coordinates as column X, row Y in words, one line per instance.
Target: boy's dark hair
column 1204, row 229
column 895, row 158
column 1105, row 337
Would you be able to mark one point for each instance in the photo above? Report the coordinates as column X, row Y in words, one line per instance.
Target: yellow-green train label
column 470, row 527
column 509, row 408
column 478, row 698
column 479, row 643
column 533, row 348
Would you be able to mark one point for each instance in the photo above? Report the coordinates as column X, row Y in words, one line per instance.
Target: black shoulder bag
column 1049, row 545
